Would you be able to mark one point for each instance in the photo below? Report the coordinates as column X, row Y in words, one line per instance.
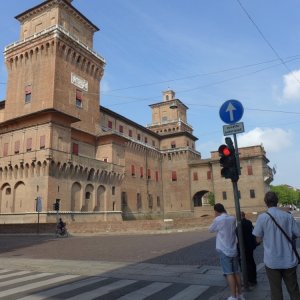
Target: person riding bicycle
column 61, row 225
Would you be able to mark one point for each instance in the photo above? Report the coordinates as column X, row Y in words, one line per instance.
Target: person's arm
column 258, row 230
column 213, row 227
column 258, row 239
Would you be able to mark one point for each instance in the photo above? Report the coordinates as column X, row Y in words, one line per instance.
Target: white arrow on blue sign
column 231, row 111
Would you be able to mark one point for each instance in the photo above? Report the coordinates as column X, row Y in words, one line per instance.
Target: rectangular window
column 113, row 190
column 78, row 98
column 141, row 172
column 173, row 144
column 124, row 201
column 138, row 201
column 42, row 141
column 174, row 176
column 139, row 137
column 105, row 159
column 132, row 170
column 252, row 193
column 121, row 129
column 195, row 176
column 5, row 149
column 249, row 170
column 28, row 94
column 150, row 201
column 158, row 202
column 156, row 176
column 29, row 144
column 153, row 143
column 239, row 194
column 146, row 140
column 208, row 174
column 17, row 147
column 224, row 195
column 130, row 132
column 75, row 149
column 109, row 124
column 149, row 174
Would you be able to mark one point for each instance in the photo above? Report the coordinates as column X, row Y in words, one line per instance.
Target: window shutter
column 174, row 176
column 249, row 170
column 29, row 144
column 78, row 95
column 28, row 89
column 17, row 146
column 208, row 175
column 42, row 141
column 75, row 149
column 195, row 176
column 5, row 149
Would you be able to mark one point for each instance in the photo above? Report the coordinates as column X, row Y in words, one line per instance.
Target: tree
column 286, row 194
column 211, row 198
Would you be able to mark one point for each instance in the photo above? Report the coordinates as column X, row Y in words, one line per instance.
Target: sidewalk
column 260, row 292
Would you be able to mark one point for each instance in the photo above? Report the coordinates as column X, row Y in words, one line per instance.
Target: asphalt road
column 176, row 248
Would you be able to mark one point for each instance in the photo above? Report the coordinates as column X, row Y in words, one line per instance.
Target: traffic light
column 56, row 205
column 228, row 161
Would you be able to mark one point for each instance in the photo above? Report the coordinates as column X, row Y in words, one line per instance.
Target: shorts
column 230, row 265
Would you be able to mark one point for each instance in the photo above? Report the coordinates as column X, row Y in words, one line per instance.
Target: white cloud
column 272, row 139
column 291, row 89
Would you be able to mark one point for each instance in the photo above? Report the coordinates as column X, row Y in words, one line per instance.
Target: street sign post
column 230, row 113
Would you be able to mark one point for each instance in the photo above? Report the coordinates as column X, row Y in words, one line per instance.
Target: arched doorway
column 75, row 197
column 200, row 198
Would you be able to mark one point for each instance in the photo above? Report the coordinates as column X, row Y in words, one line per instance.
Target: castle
column 57, row 144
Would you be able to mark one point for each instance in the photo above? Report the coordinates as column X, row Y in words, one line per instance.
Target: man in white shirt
column 279, row 257
column 226, row 246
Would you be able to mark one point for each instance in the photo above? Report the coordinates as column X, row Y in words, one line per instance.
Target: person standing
column 279, row 257
column 249, row 245
column 226, row 245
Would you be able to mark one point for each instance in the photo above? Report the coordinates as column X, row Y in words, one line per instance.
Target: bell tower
column 53, row 65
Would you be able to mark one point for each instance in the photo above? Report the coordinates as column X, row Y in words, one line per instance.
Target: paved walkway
column 212, row 284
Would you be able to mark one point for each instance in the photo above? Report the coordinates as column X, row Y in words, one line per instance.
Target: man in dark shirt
column 250, row 245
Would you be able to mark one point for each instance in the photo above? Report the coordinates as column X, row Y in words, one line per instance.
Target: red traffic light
column 224, row 150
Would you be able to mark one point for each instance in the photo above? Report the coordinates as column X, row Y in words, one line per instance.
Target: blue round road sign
column 231, row 111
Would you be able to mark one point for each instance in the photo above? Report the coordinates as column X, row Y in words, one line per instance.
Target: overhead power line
column 267, row 41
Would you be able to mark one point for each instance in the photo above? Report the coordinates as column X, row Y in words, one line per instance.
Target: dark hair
column 271, row 199
column 218, row 207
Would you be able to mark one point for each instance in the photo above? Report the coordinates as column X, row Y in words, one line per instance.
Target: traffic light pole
column 238, row 218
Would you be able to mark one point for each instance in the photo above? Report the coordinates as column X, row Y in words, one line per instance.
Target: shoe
column 231, row 298
column 241, row 297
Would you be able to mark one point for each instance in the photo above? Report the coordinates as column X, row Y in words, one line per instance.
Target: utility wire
column 267, row 41
column 192, row 89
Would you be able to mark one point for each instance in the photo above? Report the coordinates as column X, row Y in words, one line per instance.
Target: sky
column 208, row 52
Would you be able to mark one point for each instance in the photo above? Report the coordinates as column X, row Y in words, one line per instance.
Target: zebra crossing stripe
column 146, row 291
column 191, row 292
column 62, row 289
column 34, row 285
column 24, row 278
column 14, row 274
column 4, row 271
column 102, row 290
